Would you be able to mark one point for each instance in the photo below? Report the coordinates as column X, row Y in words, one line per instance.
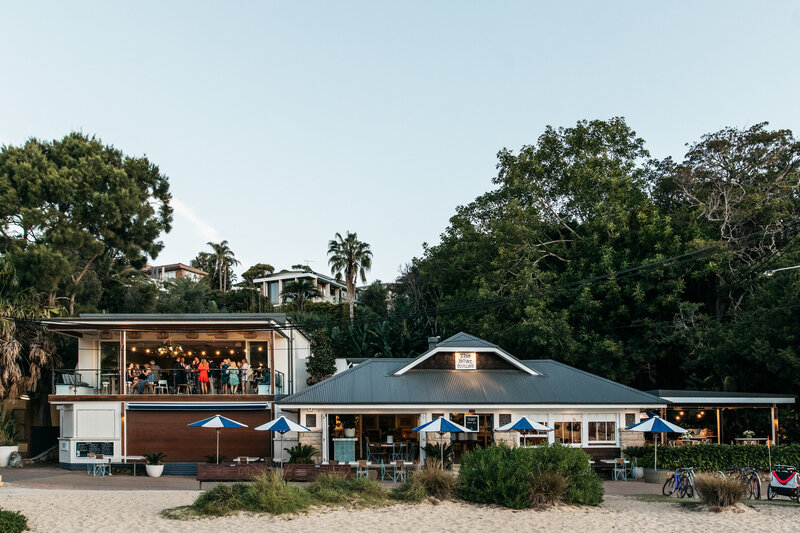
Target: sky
column 282, row 123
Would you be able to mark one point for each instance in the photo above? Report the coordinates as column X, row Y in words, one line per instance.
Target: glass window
column 503, row 419
column 602, row 431
column 109, row 355
column 273, row 293
column 567, row 432
column 311, row 420
column 630, row 419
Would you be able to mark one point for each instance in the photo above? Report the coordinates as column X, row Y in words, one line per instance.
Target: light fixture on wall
column 24, row 397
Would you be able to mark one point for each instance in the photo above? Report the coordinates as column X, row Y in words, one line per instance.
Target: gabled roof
column 468, row 343
column 376, row 382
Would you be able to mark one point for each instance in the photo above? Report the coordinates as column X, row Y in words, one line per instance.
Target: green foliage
column 712, row 457
column 348, row 421
column 8, row 428
column 547, row 488
column 259, row 270
column 155, row 458
column 717, row 491
column 352, row 258
column 301, row 454
column 270, row 494
column 299, row 291
column 434, row 452
column 375, row 297
column 334, row 489
column 322, row 362
column 222, row 500
column 12, row 521
column 436, row 482
column 186, row 296
column 211, row 459
column 502, row 475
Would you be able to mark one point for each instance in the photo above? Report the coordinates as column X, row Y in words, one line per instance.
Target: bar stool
column 161, row 388
column 183, row 386
column 106, row 387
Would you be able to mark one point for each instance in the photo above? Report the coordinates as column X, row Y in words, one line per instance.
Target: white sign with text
column 466, row 360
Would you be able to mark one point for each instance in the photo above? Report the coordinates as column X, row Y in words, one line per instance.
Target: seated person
column 146, row 376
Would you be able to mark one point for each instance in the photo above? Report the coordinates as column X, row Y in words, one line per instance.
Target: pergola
column 720, row 401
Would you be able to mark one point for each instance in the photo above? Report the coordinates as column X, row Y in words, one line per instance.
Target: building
column 174, row 271
column 101, row 408
column 330, row 289
column 474, row 383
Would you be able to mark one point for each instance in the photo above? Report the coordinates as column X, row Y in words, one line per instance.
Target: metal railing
column 106, row 381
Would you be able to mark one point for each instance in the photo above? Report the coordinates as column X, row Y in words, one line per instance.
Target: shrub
column 269, row 494
column 155, row 458
column 12, row 521
column 712, row 457
column 222, row 500
column 333, row 489
column 435, row 482
column 301, row 454
column 433, row 452
column 547, row 488
column 502, row 475
column 717, row 491
column 413, row 491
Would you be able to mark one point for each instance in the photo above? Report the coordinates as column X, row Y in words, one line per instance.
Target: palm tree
column 224, row 259
column 354, row 258
column 300, row 291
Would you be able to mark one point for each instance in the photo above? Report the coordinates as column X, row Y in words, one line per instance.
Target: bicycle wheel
column 754, row 486
column 669, row 486
column 770, row 492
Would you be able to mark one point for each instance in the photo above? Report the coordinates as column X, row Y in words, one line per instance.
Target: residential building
column 174, row 271
column 330, row 289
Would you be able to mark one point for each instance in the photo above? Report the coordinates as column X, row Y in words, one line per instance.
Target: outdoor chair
column 161, row 388
column 97, row 465
column 399, row 471
column 362, row 469
column 620, row 470
column 629, row 470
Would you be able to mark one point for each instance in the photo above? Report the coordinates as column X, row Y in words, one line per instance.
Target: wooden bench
column 310, row 472
column 229, row 472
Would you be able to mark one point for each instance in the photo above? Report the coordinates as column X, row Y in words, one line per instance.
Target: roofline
column 292, row 274
column 438, row 349
column 175, row 266
column 472, row 405
column 728, row 400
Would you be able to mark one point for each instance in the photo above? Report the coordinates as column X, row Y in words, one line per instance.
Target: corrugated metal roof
column 373, row 382
column 465, row 340
column 171, row 317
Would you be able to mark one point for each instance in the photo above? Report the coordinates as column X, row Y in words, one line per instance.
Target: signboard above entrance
column 466, row 360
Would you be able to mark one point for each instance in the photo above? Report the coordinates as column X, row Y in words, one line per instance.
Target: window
column 630, row 419
column 567, row 432
column 311, row 420
column 503, row 419
column 434, row 416
column 602, row 431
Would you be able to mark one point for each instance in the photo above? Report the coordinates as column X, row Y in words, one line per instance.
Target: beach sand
column 67, row 511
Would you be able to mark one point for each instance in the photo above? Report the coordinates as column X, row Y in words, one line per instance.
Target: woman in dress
column 223, row 375
column 233, row 377
column 203, row 376
column 245, row 377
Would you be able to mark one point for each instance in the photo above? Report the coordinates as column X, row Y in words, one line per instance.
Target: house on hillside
column 174, row 271
column 331, row 290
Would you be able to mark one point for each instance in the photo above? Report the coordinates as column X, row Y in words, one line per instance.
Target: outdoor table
column 133, row 460
column 247, row 460
column 752, row 440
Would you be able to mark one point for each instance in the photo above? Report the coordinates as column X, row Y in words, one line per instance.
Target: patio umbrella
column 217, row 422
column 656, row 424
column 282, row 425
column 441, row 426
column 524, row 425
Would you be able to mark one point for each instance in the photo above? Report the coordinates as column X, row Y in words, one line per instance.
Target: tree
column 259, row 270
column 322, row 362
column 66, row 204
column 352, row 257
column 300, row 291
column 183, row 295
column 224, row 261
column 375, row 297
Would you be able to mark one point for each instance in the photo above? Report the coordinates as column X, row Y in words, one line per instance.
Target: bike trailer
column 785, row 481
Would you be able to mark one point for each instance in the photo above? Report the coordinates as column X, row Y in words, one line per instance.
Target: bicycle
column 680, row 482
column 748, row 476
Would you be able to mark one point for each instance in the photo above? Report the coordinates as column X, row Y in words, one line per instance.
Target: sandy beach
column 68, row 511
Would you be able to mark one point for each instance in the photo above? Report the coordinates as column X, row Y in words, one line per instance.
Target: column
column 719, row 426
column 773, row 422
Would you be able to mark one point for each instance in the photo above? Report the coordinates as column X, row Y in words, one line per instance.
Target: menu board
column 83, row 449
column 472, row 422
column 466, row 360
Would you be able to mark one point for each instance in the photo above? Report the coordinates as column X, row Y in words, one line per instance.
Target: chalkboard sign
column 83, row 449
column 471, row 422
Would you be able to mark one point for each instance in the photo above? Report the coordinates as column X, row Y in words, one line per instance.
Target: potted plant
column 748, row 434
column 8, row 437
column 301, row 454
column 155, row 464
column 348, row 424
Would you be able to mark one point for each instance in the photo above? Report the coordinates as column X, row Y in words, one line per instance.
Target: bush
column 433, row 452
column 12, row 521
column 222, row 500
column 336, row 489
column 547, row 488
column 301, row 454
column 712, row 457
column 269, row 494
column 502, row 475
column 717, row 491
column 435, row 482
column 413, row 491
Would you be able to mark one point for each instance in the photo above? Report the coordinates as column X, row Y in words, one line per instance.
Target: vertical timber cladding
column 167, row 432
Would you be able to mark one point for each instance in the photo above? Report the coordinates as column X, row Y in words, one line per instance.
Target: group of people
column 201, row 376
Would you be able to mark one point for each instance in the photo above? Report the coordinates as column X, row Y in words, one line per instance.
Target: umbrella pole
column 441, row 449
column 217, row 445
column 655, row 461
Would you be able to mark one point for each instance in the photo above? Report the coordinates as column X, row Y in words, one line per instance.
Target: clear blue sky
column 280, row 123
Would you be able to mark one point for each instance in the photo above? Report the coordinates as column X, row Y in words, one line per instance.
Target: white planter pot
column 154, row 470
column 638, row 472
column 5, row 453
column 350, row 432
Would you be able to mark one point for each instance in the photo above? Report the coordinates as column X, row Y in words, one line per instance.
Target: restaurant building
column 102, row 409
column 474, row 383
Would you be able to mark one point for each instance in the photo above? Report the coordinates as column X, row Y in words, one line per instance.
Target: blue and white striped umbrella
column 217, row 422
column 524, row 424
column 656, row 424
column 281, row 425
column 441, row 426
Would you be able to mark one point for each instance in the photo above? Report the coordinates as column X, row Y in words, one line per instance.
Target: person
column 224, row 376
column 177, row 374
column 233, row 377
column 213, row 376
column 130, row 376
column 145, row 377
column 156, row 370
column 245, row 377
column 202, row 377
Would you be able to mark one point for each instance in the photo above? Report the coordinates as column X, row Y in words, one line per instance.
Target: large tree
column 65, row 204
column 352, row 258
column 299, row 292
column 223, row 260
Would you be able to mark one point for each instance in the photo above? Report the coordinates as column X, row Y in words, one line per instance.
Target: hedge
column 711, row 457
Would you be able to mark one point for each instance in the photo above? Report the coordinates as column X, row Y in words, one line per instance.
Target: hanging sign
column 466, row 360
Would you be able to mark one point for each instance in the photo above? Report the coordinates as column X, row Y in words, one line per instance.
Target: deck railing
column 106, row 381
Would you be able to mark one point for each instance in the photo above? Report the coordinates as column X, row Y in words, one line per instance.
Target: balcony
column 163, row 382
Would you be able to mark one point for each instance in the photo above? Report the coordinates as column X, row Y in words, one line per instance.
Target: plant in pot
column 301, row 454
column 348, row 424
column 8, row 437
column 155, row 464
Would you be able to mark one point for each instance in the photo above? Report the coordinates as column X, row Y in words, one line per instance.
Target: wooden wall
column 167, row 432
column 447, row 361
